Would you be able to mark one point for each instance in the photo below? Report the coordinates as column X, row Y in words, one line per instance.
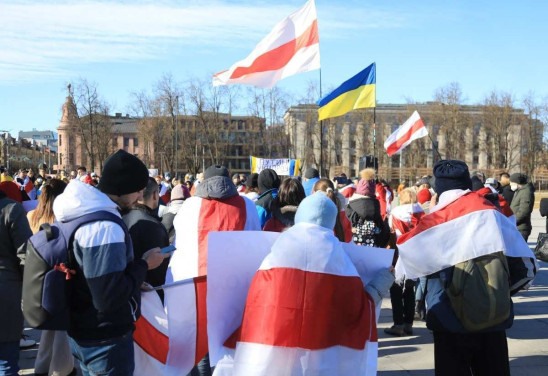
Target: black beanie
column 252, row 181
column 311, row 173
column 451, row 174
column 268, row 179
column 216, row 170
column 123, row 173
column 518, row 178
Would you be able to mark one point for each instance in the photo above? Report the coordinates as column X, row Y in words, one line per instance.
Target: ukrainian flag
column 357, row 92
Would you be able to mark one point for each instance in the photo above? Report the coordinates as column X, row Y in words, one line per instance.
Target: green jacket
column 522, row 206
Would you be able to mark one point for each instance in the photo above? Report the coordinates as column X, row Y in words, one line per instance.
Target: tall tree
column 94, row 126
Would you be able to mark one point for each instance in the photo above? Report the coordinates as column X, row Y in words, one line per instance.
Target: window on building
column 60, row 138
column 126, row 142
column 114, row 143
column 135, row 141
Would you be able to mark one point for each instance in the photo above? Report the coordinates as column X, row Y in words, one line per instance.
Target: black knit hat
column 123, row 173
column 311, row 172
column 451, row 174
column 216, row 170
column 518, row 178
column 252, row 180
column 268, row 179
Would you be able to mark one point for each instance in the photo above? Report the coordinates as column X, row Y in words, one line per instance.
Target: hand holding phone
column 170, row 248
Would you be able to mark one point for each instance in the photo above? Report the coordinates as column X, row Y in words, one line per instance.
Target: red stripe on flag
column 151, row 340
column 200, row 289
column 226, row 215
column 279, row 57
column 396, row 145
column 309, row 310
column 467, row 204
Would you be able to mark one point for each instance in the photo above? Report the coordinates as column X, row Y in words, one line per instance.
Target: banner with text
column 283, row 166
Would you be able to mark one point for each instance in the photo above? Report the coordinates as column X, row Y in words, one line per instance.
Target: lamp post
column 177, row 137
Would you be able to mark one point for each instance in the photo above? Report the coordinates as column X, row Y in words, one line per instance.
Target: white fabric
column 229, row 290
column 402, row 131
column 304, row 60
column 153, row 311
column 476, row 234
column 256, row 359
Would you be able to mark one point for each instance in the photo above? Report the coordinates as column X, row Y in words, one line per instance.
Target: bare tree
column 532, row 133
column 501, row 123
column 93, row 126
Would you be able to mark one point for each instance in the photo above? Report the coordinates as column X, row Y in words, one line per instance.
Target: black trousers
column 477, row 354
column 403, row 302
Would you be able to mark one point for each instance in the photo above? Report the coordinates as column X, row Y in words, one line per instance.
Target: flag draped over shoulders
column 196, row 218
column 306, row 312
column 291, row 47
column 464, row 225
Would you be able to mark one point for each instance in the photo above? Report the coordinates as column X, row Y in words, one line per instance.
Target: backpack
column 479, row 292
column 49, row 268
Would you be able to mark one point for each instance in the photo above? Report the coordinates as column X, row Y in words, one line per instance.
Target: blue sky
column 126, row 46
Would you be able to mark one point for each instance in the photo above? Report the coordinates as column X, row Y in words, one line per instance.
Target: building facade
column 194, row 142
column 487, row 139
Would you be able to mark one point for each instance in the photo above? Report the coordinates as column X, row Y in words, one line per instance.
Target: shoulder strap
column 69, row 228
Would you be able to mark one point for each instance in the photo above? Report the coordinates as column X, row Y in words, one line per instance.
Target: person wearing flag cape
column 307, row 310
column 463, row 227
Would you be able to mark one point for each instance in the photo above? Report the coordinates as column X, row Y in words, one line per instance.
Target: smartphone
column 170, row 248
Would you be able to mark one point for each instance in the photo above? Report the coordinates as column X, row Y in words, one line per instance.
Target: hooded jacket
column 105, row 297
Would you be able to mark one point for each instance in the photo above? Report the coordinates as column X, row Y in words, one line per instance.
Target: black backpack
column 49, row 267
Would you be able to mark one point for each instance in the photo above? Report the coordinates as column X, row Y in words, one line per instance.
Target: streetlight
column 177, row 137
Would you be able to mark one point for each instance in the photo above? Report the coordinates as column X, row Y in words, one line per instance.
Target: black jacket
column 363, row 208
column 147, row 232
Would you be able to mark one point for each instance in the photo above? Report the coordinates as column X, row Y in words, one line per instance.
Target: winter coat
column 364, row 213
column 281, row 219
column 522, row 206
column 147, row 232
column 14, row 232
column 169, row 216
column 106, row 295
column 264, row 205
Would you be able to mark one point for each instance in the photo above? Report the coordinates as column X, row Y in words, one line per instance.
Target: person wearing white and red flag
column 412, row 129
column 292, row 47
column 465, row 226
column 216, row 206
column 307, row 311
column 403, row 218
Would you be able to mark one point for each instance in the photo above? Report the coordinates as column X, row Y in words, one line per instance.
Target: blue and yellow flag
column 357, row 92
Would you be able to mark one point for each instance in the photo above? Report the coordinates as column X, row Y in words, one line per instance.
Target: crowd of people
column 114, row 262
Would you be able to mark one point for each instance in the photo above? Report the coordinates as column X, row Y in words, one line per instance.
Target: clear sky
column 126, row 46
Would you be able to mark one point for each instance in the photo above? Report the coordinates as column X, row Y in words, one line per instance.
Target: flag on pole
column 357, row 92
column 412, row 129
column 292, row 47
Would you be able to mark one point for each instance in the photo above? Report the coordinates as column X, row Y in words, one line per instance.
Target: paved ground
column 527, row 339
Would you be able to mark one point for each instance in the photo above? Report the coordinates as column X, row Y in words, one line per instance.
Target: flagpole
column 321, row 132
column 435, row 147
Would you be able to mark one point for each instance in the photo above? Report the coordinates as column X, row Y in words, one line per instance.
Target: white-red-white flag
column 292, row 47
column 306, row 312
column 462, row 226
column 411, row 130
column 173, row 340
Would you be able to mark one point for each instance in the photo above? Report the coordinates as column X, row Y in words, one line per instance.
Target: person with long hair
column 343, row 227
column 54, row 356
column 44, row 210
column 284, row 206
